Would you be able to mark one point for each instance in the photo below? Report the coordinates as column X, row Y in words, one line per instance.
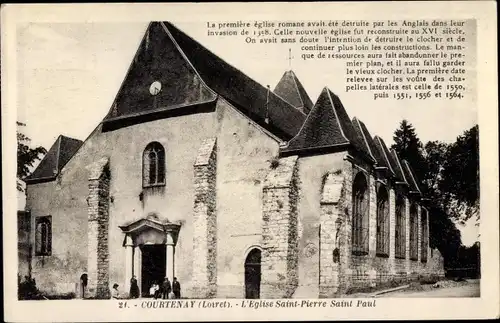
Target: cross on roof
column 290, row 57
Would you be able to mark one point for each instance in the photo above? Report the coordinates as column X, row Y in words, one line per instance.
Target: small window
column 43, row 236
column 154, row 165
column 382, row 223
column 360, row 218
column 400, row 230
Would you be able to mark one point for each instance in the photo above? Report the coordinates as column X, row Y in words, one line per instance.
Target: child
column 115, row 294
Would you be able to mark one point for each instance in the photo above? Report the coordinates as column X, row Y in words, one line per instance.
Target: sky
column 68, row 75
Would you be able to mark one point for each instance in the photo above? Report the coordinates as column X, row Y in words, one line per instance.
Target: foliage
column 410, row 148
column 448, row 173
column 460, row 176
column 449, row 177
column 26, row 156
column 27, row 289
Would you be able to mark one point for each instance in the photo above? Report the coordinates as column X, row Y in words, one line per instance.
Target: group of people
column 166, row 290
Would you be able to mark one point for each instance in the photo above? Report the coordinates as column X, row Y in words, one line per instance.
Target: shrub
column 27, row 290
column 429, row 279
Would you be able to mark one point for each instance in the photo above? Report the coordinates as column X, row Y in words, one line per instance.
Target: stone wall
column 361, row 271
column 204, row 281
column 331, row 221
column 98, row 226
column 279, row 277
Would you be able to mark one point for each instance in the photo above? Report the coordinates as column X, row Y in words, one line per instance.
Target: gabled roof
column 190, row 74
column 239, row 89
column 411, row 179
column 365, row 138
column 383, row 155
column 58, row 155
column 290, row 89
column 398, row 167
column 326, row 126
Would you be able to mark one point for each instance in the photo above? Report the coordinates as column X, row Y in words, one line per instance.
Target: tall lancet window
column 360, row 219
column 413, row 232
column 382, row 222
column 43, row 236
column 153, row 165
column 425, row 235
column 400, row 227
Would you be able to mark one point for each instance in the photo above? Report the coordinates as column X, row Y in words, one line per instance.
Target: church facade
column 200, row 173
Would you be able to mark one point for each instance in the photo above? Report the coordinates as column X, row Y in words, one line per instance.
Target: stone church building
column 239, row 191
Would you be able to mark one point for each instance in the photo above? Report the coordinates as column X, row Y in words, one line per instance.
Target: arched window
column 400, row 230
column 253, row 274
column 360, row 215
column 425, row 235
column 43, row 236
column 383, row 222
column 413, row 232
column 153, row 165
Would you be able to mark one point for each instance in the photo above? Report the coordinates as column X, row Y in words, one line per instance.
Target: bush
column 429, row 279
column 27, row 289
column 70, row 295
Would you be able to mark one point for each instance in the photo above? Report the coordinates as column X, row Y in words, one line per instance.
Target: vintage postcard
column 259, row 161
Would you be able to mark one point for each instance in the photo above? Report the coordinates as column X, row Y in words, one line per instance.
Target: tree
column 428, row 165
column 460, row 176
column 435, row 153
column 409, row 147
column 26, row 156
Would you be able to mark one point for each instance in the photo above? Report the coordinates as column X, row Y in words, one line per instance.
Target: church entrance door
column 154, row 263
column 252, row 274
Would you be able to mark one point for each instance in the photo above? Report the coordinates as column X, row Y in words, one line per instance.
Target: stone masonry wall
column 204, row 280
column 279, row 231
column 98, row 226
column 360, row 271
column 331, row 222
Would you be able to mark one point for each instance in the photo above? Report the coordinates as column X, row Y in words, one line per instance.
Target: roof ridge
column 399, row 163
column 176, row 45
column 211, row 52
column 364, row 138
column 410, row 171
column 58, row 152
column 335, row 112
column 297, row 87
column 301, row 127
column 382, row 144
column 113, row 103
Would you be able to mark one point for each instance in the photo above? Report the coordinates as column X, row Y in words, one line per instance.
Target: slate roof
column 58, row 155
column 365, row 138
column 290, row 89
column 326, row 126
column 410, row 176
column 398, row 167
column 383, row 155
column 190, row 64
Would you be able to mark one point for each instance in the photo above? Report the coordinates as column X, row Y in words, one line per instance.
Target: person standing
column 176, row 288
column 134, row 288
column 167, row 288
column 83, row 283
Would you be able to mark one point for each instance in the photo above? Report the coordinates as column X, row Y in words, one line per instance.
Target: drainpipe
column 267, row 105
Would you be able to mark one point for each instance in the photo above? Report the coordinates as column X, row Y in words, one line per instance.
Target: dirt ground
column 469, row 288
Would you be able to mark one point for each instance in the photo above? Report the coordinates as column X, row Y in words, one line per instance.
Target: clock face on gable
column 155, row 88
